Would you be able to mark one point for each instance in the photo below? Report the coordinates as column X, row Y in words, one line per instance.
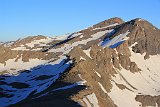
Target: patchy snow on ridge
column 41, row 42
column 116, row 41
column 112, row 25
column 68, row 47
column 67, row 36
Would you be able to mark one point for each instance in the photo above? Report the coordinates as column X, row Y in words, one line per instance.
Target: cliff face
column 113, row 63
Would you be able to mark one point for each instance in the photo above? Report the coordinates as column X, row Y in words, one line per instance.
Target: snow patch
column 116, row 41
column 97, row 73
column 87, row 102
column 112, row 25
column 20, row 48
column 81, row 58
column 91, row 100
column 103, row 89
column 141, row 19
column 87, row 52
column 81, row 36
column 83, row 80
column 134, row 44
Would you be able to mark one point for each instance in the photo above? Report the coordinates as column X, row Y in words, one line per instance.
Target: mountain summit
column 111, row 64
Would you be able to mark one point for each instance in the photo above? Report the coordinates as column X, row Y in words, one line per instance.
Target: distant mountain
column 111, row 64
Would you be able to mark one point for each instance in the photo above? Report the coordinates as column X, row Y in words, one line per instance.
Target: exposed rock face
column 148, row 100
column 111, row 64
column 146, row 36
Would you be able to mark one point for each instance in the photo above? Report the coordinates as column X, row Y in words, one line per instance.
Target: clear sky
column 21, row 18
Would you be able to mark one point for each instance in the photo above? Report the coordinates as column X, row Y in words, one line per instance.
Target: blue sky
column 21, row 18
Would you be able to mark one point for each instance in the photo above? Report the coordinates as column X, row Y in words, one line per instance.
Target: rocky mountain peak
column 109, row 22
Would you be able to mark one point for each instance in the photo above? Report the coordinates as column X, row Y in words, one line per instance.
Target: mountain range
column 110, row 64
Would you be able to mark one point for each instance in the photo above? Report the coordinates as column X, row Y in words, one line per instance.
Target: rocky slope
column 111, row 64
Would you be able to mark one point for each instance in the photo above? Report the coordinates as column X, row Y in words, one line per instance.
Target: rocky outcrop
column 148, row 100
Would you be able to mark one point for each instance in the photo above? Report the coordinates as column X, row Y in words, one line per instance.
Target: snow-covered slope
column 34, row 80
